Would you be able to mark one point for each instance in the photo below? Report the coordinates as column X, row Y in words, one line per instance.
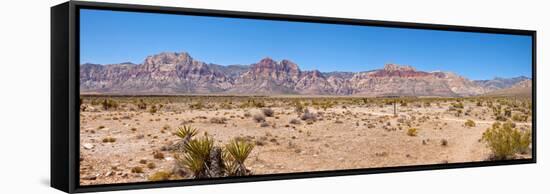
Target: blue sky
column 108, row 37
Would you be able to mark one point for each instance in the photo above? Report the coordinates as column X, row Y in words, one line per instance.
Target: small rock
column 109, row 173
column 88, row 146
column 91, row 177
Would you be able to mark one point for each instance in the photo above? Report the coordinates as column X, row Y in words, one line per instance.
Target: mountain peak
column 267, row 60
column 395, row 67
column 168, row 58
column 284, row 65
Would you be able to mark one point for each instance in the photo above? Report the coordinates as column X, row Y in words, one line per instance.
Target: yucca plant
column 239, row 151
column 197, row 153
column 186, row 132
column 230, row 166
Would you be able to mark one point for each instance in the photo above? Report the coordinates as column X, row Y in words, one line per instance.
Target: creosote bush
column 198, row 105
column 137, row 169
column 141, row 104
column 109, row 140
column 444, row 142
column 308, row 116
column 218, row 120
column 505, row 141
column 298, row 107
column 519, row 118
column 153, row 109
column 412, row 132
column 109, row 104
column 160, row 176
column 470, row 123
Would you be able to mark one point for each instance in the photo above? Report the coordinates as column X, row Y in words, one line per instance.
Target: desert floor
column 344, row 136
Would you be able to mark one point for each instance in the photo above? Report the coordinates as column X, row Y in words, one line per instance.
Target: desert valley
column 173, row 117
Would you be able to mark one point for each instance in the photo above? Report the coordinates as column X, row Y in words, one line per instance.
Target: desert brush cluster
column 158, row 138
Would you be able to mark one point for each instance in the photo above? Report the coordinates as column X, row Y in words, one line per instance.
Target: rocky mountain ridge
column 179, row 73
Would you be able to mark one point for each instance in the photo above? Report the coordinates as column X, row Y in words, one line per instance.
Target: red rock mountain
column 179, row 73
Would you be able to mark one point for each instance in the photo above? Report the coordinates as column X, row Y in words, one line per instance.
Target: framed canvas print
column 147, row 96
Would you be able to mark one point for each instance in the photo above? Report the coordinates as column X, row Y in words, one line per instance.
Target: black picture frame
column 65, row 94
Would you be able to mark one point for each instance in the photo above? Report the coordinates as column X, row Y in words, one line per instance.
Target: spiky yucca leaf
column 193, row 164
column 239, row 150
column 196, row 156
column 186, row 131
column 231, row 167
column 200, row 148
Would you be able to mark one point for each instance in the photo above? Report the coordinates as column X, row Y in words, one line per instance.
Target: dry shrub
column 295, row 121
column 470, row 123
column 444, row 142
column 505, row 141
column 137, row 169
column 218, row 120
column 412, row 132
column 109, row 104
column 259, row 118
column 109, row 140
column 160, row 176
column 308, row 116
column 268, row 112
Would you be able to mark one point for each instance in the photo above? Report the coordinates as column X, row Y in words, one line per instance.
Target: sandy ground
column 343, row 137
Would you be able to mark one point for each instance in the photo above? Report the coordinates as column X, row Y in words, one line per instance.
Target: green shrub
column 153, row 109
column 508, row 113
column 412, row 132
column 298, row 107
column 218, row 120
column 519, row 118
column 198, row 105
column 427, row 104
column 158, row 155
column 457, row 105
column 160, row 176
column 109, row 140
column 109, row 104
column 479, row 103
column 308, row 116
column 470, row 123
column 501, row 118
column 505, row 141
column 141, row 104
column 137, row 169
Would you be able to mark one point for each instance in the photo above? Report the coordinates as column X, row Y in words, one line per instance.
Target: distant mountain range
column 179, row 73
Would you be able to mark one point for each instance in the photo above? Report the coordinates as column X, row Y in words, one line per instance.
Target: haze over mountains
column 179, row 73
